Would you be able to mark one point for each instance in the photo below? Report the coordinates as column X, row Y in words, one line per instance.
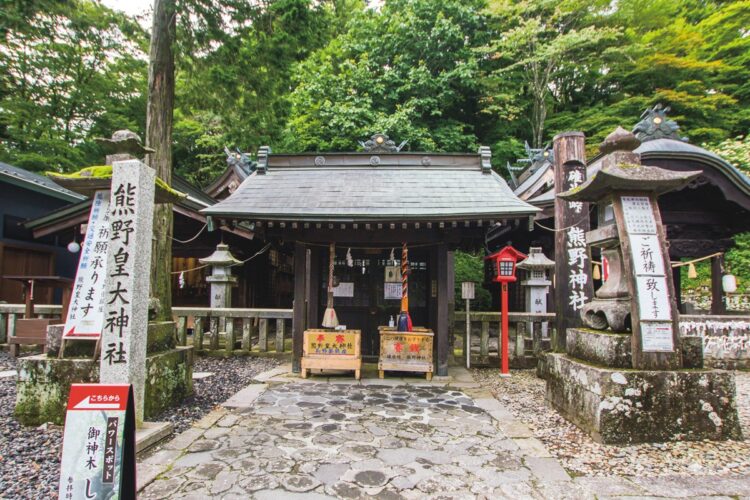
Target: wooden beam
column 717, row 293
column 298, row 314
column 312, row 287
column 442, row 310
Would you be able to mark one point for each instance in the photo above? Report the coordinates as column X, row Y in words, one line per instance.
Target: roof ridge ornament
column 485, row 159
column 263, row 153
column 655, row 124
column 381, row 143
column 240, row 160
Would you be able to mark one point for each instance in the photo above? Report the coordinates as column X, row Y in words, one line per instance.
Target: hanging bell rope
column 330, row 320
column 404, row 320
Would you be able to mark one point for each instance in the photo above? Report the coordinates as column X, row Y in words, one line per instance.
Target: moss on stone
column 105, row 172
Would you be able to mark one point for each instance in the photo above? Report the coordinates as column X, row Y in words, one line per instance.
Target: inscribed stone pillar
column 573, row 284
column 124, row 337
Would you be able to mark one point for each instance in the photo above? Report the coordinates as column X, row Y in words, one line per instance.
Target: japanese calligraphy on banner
column 124, row 336
column 392, row 291
column 639, row 216
column 653, row 298
column 647, row 256
column 657, row 337
column 86, row 312
column 98, row 459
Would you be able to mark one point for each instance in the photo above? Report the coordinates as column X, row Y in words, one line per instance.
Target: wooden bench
column 28, row 332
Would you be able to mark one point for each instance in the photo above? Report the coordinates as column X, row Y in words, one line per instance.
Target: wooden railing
column 10, row 312
column 218, row 329
column 529, row 334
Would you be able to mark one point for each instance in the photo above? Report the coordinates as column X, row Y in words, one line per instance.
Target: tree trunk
column 159, row 117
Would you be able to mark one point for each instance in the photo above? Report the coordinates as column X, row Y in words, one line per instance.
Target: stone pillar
column 124, row 336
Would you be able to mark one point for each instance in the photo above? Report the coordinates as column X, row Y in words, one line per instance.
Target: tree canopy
column 304, row 75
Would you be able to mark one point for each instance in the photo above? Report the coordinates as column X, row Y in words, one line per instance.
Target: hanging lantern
column 692, row 273
column 729, row 283
column 596, row 273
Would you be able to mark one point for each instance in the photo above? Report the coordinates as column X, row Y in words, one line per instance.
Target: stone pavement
column 401, row 438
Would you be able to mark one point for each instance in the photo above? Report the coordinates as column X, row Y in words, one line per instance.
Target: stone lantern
column 537, row 285
column 221, row 278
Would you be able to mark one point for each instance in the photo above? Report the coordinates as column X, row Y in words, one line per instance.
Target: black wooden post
column 312, row 288
column 442, row 310
column 572, row 262
column 298, row 315
column 717, row 293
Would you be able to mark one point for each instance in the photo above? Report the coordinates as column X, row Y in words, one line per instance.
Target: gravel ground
column 229, row 376
column 523, row 393
column 29, row 456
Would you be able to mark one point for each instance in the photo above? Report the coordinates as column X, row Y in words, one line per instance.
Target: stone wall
column 726, row 339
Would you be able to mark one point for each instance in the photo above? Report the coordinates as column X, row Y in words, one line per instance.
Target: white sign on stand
column 86, row 312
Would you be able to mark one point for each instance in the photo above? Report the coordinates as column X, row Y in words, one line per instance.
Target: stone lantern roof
column 221, row 257
column 536, row 261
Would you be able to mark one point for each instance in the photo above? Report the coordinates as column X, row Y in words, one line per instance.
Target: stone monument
column 630, row 377
column 222, row 281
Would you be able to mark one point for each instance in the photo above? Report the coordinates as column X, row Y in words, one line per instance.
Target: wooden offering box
column 405, row 351
column 332, row 350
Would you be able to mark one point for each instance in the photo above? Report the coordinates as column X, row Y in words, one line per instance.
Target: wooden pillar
column 298, row 315
column 451, row 299
column 717, row 293
column 572, row 223
column 312, row 287
column 677, row 279
column 442, row 310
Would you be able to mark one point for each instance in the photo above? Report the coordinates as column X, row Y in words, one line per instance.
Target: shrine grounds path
column 289, row 438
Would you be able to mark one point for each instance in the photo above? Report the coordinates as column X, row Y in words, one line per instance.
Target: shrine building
column 369, row 204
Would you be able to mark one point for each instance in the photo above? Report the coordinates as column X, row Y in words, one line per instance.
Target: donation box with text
column 332, row 350
column 405, row 351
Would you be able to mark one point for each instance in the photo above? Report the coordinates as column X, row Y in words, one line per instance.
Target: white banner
column 86, row 312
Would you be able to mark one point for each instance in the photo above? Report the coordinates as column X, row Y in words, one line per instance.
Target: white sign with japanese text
column 639, row 216
column 647, row 256
column 392, row 291
column 86, row 312
column 653, row 298
column 345, row 289
column 657, row 337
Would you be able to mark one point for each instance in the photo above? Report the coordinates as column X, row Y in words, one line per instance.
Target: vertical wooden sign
column 573, row 284
column 654, row 320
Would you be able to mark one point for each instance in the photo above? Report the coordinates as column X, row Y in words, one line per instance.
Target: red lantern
column 505, row 272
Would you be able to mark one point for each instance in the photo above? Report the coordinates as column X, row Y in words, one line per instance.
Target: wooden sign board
column 331, row 350
column 655, row 343
column 98, row 457
column 406, row 351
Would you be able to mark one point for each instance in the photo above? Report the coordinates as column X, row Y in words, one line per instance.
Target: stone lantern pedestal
column 222, row 282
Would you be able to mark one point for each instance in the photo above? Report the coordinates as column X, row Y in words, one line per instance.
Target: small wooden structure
column 31, row 330
column 326, row 349
column 405, row 351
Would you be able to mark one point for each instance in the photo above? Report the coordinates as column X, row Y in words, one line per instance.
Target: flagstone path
column 287, row 438
column 349, row 440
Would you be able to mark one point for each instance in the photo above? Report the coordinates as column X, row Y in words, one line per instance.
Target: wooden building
column 701, row 218
column 26, row 194
column 368, row 204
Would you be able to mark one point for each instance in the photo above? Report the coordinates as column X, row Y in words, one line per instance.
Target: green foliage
column 738, row 262
column 72, row 71
column 470, row 267
column 736, row 151
column 409, row 71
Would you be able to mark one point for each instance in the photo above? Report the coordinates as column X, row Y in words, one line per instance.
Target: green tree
column 71, row 71
column 409, row 70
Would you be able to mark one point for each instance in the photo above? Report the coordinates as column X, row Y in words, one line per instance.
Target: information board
column 344, row 289
column 86, row 312
column 639, row 215
column 98, row 458
column 331, row 344
column 392, row 291
column 657, row 337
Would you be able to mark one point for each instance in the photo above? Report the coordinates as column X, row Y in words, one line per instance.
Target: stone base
column 150, row 434
column 617, row 406
column 44, row 383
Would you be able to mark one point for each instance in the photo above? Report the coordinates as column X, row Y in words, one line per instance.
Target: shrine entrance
column 367, row 298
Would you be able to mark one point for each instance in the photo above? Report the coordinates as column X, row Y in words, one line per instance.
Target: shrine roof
column 36, row 182
column 372, row 186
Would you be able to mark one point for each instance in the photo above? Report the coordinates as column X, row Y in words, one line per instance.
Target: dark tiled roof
column 37, row 182
column 348, row 187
